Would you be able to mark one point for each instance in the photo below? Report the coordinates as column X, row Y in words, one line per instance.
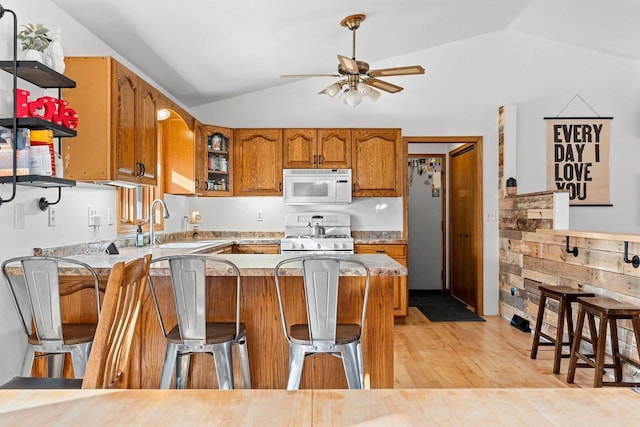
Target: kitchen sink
column 191, row 245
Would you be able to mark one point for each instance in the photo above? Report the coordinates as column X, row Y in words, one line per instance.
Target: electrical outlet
column 93, row 213
column 490, row 215
column 259, row 216
column 52, row 216
column 110, row 216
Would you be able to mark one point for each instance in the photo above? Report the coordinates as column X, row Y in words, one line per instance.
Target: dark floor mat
column 441, row 307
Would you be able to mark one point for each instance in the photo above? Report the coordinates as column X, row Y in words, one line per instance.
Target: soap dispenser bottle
column 139, row 236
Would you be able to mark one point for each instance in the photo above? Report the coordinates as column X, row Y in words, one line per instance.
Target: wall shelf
column 45, row 77
column 35, row 123
column 39, row 74
column 38, row 181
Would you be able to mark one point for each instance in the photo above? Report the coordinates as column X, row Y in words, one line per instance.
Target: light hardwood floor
column 491, row 354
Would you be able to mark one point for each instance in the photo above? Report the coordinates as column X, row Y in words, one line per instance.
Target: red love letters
column 50, row 109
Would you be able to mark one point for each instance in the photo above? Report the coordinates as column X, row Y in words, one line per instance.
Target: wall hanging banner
column 578, row 158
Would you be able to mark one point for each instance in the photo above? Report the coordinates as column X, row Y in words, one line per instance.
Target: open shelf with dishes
column 218, row 162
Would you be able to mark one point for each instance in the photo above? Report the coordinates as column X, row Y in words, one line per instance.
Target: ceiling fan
column 359, row 81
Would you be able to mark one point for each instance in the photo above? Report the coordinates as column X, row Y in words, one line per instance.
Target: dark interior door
column 463, row 193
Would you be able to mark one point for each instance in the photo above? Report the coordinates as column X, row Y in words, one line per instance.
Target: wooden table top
column 405, row 407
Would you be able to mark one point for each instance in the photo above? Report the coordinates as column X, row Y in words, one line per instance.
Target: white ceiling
column 203, row 51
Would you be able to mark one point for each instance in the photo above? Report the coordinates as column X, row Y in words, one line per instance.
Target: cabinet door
column 124, row 125
column 299, row 148
column 147, row 133
column 200, row 172
column 334, row 148
column 219, row 178
column 377, row 162
column 258, row 162
column 400, row 289
column 257, row 249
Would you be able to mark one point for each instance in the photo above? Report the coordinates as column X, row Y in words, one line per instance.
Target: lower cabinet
column 400, row 290
column 270, row 248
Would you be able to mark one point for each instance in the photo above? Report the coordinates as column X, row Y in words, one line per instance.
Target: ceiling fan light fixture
column 363, row 89
column 353, row 98
column 333, row 89
column 373, row 94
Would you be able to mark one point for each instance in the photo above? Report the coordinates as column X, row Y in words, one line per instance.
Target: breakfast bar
column 268, row 348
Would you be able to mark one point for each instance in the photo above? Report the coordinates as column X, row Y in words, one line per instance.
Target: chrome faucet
column 152, row 222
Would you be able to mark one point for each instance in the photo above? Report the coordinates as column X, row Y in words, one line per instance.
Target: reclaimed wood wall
column 532, row 254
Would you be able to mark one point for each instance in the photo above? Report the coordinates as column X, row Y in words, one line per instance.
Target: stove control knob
column 293, row 245
column 336, row 246
column 319, row 246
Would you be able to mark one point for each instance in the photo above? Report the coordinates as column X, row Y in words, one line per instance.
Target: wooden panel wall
column 529, row 258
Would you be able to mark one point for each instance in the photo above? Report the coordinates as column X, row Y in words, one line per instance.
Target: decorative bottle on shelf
column 139, row 236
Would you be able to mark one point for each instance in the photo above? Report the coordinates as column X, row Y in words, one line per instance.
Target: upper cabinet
column 177, row 137
column 377, row 162
column 117, row 135
column 317, row 148
column 257, row 162
column 218, row 167
column 299, row 148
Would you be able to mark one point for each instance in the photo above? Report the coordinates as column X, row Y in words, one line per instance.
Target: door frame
column 478, row 219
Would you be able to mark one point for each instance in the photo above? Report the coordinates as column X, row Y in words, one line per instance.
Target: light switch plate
column 18, row 216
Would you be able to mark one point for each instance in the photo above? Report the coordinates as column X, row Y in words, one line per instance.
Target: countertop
column 408, row 407
column 248, row 264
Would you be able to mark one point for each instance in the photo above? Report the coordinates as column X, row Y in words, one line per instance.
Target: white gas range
column 303, row 233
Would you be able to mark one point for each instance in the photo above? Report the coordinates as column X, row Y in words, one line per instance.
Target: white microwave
column 316, row 186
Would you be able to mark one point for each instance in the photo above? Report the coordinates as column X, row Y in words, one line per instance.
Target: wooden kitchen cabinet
column 117, row 126
column 270, row 248
column 377, row 162
column 177, row 137
column 317, row 148
column 400, row 288
column 200, row 173
column 257, row 162
column 218, row 163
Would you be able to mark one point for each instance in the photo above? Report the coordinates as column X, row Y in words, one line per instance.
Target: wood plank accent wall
column 530, row 257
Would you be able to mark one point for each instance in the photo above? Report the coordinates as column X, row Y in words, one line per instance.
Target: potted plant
column 34, row 39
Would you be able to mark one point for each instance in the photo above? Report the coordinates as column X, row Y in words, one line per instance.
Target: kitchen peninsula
column 268, row 348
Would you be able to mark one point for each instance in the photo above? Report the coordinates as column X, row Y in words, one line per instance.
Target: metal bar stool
column 609, row 311
column 42, row 317
column 565, row 297
column 193, row 332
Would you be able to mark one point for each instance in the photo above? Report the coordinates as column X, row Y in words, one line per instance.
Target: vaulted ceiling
column 202, row 51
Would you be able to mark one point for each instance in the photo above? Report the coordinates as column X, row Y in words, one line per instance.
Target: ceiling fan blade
column 397, row 71
column 382, row 85
column 309, row 75
column 349, row 64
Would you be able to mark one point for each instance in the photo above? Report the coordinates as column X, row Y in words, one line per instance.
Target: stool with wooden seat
column 609, row 311
column 565, row 297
